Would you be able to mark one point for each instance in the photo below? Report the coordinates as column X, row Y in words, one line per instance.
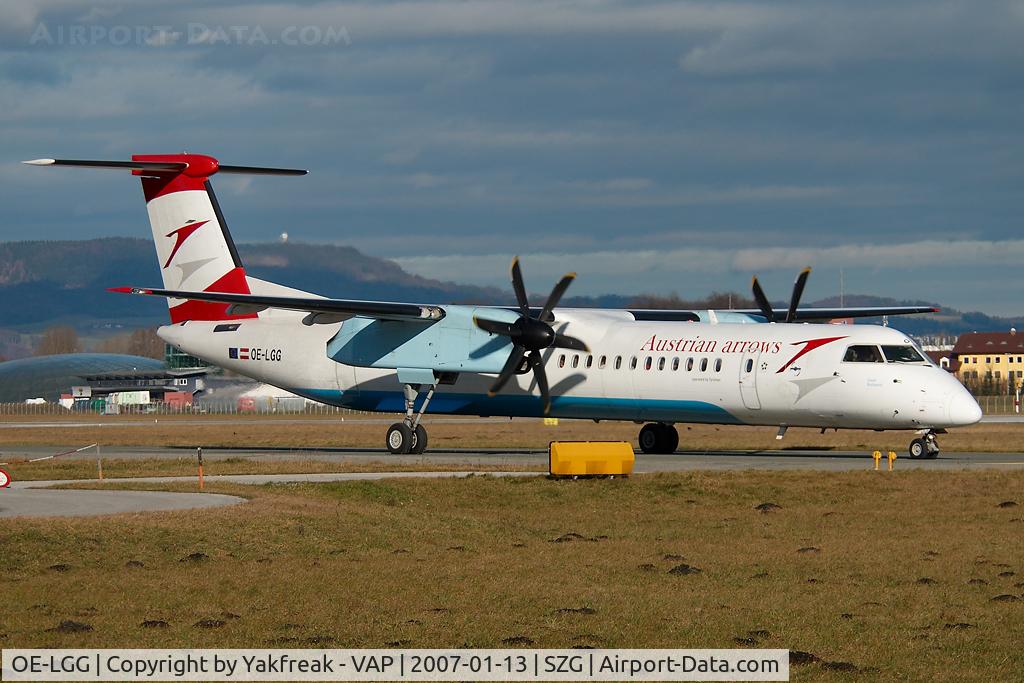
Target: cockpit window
column 902, row 354
column 863, row 353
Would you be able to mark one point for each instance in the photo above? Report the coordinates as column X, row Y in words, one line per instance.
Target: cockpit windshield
column 863, row 353
column 902, row 354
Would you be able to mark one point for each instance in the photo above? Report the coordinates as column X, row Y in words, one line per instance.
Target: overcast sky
column 652, row 147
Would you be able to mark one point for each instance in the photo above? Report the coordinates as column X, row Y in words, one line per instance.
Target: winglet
column 40, row 162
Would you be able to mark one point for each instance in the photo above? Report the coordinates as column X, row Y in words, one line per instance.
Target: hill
column 43, row 283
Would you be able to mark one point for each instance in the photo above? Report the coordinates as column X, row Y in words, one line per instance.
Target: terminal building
column 95, row 376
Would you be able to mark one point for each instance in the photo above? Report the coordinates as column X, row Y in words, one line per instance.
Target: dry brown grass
column 441, row 563
column 282, row 432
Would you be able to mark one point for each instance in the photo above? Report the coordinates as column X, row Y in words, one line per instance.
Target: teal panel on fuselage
column 452, row 344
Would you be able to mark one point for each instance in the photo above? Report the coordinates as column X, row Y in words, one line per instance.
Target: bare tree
column 62, row 339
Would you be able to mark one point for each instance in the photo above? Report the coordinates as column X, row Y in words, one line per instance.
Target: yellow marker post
column 550, row 421
column 877, row 455
column 99, row 466
column 892, row 459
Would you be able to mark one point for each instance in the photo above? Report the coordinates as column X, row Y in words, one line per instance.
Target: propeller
column 530, row 335
column 794, row 300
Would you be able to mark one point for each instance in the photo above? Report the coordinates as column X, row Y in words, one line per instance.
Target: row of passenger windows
column 649, row 363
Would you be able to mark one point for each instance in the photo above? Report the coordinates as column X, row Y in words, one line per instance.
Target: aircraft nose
column 963, row 409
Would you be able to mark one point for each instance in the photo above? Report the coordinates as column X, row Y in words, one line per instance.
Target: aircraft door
column 748, row 379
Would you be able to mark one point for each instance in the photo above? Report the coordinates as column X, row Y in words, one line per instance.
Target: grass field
column 898, row 575
column 282, row 432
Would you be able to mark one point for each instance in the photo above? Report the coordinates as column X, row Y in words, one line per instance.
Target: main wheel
column 650, row 438
column 400, row 438
column 419, row 440
column 917, row 448
column 671, row 439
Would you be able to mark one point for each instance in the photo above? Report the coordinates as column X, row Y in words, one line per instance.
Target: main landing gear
column 926, row 446
column 409, row 436
column 658, row 437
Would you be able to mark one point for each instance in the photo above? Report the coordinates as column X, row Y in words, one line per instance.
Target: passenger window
column 675, row 364
column 689, row 364
column 601, row 363
column 632, row 363
column 902, row 354
column 590, row 361
column 661, row 363
column 647, row 363
column 561, row 361
column 863, row 353
column 718, row 365
column 703, row 364
column 618, row 362
column 750, row 365
column 575, row 361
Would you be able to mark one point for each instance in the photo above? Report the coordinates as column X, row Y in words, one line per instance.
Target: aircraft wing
column 320, row 310
column 818, row 314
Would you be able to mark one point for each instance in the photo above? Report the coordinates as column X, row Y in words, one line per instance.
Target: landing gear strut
column 658, row 437
column 409, row 436
column 927, row 446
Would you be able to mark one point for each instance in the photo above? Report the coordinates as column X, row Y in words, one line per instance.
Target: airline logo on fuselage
column 698, row 345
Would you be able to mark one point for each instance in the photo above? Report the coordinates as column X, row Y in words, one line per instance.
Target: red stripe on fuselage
column 232, row 283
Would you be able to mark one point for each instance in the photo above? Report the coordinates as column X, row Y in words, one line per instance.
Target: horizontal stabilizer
column 144, row 167
column 338, row 308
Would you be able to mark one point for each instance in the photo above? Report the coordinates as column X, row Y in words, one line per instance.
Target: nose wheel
column 926, row 446
column 657, row 437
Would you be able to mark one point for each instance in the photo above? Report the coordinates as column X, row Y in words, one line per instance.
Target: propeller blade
column 798, row 291
column 493, row 326
column 511, row 365
column 537, row 363
column 564, row 341
column 556, row 295
column 519, row 288
column 762, row 300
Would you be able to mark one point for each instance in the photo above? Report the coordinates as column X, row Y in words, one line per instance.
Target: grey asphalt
column 25, row 499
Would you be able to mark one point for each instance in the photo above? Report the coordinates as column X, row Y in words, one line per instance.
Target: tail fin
column 193, row 245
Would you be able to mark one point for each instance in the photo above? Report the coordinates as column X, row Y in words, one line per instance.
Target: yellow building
column 995, row 357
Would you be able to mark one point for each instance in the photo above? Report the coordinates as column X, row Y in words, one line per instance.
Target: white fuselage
column 758, row 374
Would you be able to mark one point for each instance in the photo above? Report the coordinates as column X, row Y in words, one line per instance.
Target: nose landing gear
column 658, row 437
column 926, row 446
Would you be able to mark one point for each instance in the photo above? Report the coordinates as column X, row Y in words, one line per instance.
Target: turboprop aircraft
column 656, row 368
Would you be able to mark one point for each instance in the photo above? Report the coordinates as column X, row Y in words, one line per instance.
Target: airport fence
column 307, row 408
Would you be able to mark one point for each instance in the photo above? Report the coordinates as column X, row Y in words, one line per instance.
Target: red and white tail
column 193, row 245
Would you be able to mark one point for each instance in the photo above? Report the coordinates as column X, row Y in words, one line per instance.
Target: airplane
column 655, row 368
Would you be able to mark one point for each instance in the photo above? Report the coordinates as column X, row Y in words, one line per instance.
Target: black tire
column 651, row 438
column 917, row 449
column 671, row 439
column 399, row 439
column 419, row 440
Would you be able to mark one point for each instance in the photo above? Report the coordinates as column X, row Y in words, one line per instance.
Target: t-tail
column 193, row 245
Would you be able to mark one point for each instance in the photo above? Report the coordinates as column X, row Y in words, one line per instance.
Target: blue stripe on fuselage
column 530, row 406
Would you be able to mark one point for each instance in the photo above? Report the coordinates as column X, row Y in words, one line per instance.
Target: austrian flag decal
column 236, row 353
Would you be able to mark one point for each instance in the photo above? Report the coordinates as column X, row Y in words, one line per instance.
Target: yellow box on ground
column 590, row 458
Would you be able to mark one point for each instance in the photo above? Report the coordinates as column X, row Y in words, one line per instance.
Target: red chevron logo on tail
column 180, row 235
